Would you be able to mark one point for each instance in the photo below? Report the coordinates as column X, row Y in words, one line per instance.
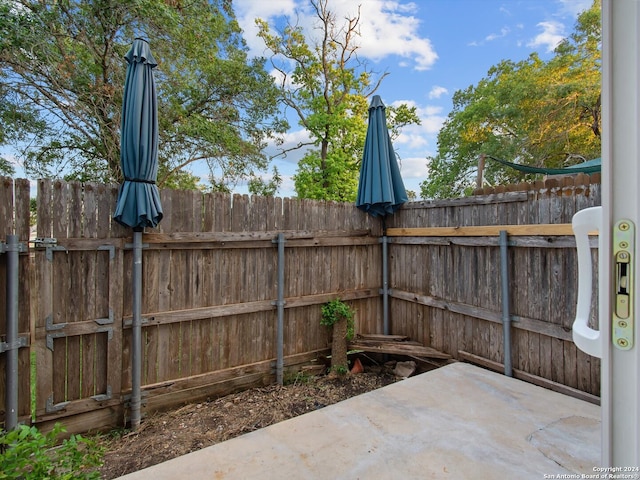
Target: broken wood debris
column 395, row 345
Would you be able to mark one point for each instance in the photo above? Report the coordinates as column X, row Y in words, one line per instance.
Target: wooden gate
column 78, row 274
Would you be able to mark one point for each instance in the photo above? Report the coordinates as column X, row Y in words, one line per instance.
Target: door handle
column 586, row 338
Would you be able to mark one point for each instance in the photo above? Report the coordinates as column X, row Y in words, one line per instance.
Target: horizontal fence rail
column 446, row 287
column 210, row 291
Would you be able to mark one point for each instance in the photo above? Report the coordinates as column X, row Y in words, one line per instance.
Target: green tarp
column 591, row 166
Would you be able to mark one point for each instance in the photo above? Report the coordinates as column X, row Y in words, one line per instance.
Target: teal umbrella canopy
column 138, row 203
column 380, row 188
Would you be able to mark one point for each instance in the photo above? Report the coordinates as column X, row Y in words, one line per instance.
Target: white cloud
column 552, row 34
column 504, row 31
column 574, row 7
column 416, row 142
column 290, row 141
column 413, row 168
column 280, row 79
column 248, row 10
column 10, row 157
column 387, row 27
column 437, row 91
column 412, row 138
column 430, row 116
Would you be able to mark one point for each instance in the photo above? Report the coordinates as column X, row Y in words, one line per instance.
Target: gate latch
column 50, row 245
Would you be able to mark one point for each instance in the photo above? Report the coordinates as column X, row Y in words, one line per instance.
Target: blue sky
column 431, row 48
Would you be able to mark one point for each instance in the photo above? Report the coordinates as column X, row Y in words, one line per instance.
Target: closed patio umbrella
column 139, row 200
column 380, row 188
column 138, row 203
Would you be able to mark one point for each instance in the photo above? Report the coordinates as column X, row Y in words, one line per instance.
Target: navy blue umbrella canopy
column 380, row 189
column 138, row 203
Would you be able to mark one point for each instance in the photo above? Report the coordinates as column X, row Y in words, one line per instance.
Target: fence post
column 12, row 344
column 280, row 304
column 385, row 284
column 506, row 314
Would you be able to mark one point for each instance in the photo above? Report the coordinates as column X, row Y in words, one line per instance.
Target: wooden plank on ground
column 398, row 348
column 381, row 337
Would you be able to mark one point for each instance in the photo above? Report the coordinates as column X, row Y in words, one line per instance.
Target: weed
column 340, row 369
column 25, row 453
column 297, row 378
column 336, row 310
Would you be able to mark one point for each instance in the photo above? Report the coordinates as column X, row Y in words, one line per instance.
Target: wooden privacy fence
column 446, row 280
column 210, row 289
column 209, row 293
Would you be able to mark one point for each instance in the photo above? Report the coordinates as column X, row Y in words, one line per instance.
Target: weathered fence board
column 210, row 285
column 459, row 289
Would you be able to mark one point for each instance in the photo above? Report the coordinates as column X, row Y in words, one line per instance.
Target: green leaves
column 335, row 311
column 27, row 454
column 544, row 114
column 328, row 88
column 62, row 75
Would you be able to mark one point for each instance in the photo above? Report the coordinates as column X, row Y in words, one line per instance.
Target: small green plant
column 296, row 378
column 25, row 453
column 336, row 310
column 340, row 369
column 339, row 316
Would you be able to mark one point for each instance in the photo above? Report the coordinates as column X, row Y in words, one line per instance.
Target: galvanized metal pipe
column 506, row 314
column 280, row 303
column 385, row 285
column 136, row 331
column 11, row 415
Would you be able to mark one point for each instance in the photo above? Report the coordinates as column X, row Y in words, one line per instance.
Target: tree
column 340, row 317
column 327, row 86
column 532, row 112
column 61, row 63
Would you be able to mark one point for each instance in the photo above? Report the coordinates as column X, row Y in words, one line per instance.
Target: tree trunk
column 339, row 346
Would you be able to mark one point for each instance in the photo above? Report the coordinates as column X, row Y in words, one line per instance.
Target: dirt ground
column 168, row 435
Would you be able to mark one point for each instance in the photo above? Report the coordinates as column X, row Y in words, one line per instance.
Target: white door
column 618, row 340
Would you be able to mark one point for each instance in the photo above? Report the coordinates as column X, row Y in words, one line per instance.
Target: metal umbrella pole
column 136, row 332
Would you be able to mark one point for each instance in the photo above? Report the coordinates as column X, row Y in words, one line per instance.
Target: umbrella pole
column 385, row 279
column 136, row 335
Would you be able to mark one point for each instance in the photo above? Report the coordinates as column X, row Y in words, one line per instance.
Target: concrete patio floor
column 459, row 422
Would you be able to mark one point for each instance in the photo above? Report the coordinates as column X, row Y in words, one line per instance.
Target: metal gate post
column 280, row 304
column 12, row 344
